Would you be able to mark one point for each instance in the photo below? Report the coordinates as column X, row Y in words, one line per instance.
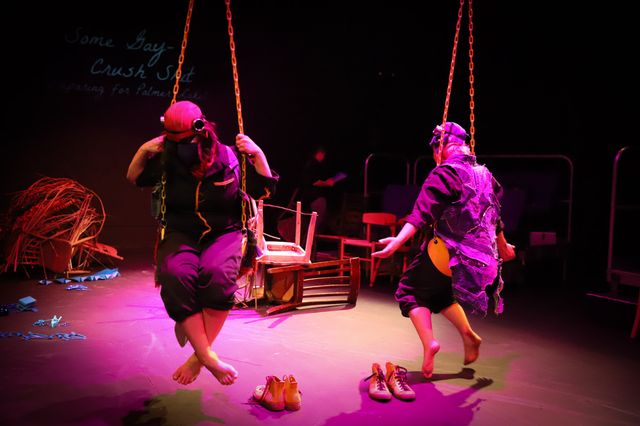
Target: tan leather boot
column 292, row 395
column 271, row 394
column 397, row 382
column 378, row 388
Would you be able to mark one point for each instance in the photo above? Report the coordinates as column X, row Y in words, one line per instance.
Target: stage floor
column 554, row 358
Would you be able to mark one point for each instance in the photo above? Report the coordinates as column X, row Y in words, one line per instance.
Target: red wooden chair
column 377, row 225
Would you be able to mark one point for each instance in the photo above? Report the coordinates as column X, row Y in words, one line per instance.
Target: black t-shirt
column 216, row 196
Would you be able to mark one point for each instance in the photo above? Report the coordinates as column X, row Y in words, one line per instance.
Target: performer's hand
column 246, row 146
column 388, row 250
column 323, row 183
column 507, row 252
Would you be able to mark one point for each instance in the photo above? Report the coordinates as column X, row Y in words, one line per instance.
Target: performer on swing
column 199, row 258
column 460, row 198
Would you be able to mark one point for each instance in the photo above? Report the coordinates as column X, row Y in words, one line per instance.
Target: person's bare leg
column 194, row 327
column 421, row 319
column 213, row 322
column 456, row 315
column 189, row 371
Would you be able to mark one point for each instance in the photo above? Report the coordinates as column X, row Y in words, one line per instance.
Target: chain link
column 176, row 88
column 451, row 69
column 183, row 47
column 472, row 105
column 236, row 86
column 163, row 205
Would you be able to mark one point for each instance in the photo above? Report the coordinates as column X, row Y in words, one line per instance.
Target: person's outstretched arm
column 394, row 243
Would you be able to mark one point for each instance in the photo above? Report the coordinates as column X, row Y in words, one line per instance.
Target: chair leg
column 372, row 272
column 375, row 267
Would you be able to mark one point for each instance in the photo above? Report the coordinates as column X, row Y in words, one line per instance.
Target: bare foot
column 471, row 347
column 225, row 373
column 188, row 372
column 429, row 354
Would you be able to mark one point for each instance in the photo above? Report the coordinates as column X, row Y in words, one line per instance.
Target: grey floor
column 555, row 357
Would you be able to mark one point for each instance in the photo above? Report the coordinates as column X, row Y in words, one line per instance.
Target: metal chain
column 236, row 85
column 472, row 105
column 451, row 68
column 185, row 37
column 163, row 205
column 176, row 88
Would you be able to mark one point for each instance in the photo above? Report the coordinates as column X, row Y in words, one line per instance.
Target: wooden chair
column 277, row 253
column 321, row 283
column 346, row 224
column 374, row 222
column 285, row 252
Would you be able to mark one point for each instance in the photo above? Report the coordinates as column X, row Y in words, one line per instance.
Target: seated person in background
column 316, row 191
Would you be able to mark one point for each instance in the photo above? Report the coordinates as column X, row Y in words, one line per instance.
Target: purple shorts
column 193, row 276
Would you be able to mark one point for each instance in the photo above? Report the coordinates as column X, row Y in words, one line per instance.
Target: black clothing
column 199, row 258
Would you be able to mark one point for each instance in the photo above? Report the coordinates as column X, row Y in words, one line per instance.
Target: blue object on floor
column 105, row 274
column 10, row 307
column 30, row 335
column 53, row 322
column 26, row 303
column 77, row 287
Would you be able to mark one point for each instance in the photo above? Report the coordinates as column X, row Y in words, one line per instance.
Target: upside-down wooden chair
column 285, row 252
column 274, row 253
column 322, row 283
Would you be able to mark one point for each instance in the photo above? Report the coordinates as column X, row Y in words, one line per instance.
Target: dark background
column 356, row 76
